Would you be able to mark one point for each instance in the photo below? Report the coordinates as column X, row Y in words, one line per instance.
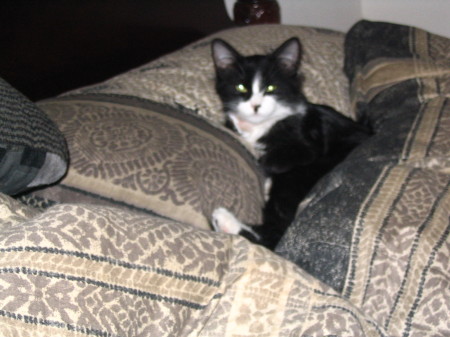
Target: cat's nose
column 256, row 107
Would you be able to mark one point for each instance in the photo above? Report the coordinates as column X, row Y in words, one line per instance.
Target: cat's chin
column 252, row 118
column 264, row 117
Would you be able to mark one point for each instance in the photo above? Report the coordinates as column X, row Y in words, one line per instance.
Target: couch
column 107, row 193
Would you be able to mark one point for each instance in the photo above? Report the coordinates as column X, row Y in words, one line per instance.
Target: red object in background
column 251, row 12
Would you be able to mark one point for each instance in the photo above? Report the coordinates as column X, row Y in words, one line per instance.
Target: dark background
column 48, row 47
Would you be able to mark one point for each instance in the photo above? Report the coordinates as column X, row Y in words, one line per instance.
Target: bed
column 115, row 239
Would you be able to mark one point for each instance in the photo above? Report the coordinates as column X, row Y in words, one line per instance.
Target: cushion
column 377, row 228
column 138, row 154
column 33, row 151
column 100, row 271
column 186, row 77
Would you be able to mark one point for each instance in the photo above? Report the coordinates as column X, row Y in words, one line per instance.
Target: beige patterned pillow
column 134, row 153
column 186, row 77
column 85, row 270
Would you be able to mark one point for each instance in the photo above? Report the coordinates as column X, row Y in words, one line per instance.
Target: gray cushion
column 33, row 151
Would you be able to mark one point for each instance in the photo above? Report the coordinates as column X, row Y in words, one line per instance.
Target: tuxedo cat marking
column 248, row 87
column 297, row 142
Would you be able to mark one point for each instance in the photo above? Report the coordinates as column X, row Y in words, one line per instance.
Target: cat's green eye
column 241, row 88
column 271, row 88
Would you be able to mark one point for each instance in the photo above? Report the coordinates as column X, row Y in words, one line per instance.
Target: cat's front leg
column 225, row 221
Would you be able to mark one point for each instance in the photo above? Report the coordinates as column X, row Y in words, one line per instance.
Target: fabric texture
column 377, row 229
column 152, row 158
column 78, row 270
column 33, row 151
column 186, row 77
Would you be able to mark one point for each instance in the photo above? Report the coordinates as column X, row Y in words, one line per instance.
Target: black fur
column 299, row 149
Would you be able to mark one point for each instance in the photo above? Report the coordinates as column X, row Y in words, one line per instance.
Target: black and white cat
column 297, row 142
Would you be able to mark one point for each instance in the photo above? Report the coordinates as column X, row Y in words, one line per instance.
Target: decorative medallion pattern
column 155, row 157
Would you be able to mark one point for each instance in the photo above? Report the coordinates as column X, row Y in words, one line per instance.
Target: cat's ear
column 288, row 54
column 224, row 55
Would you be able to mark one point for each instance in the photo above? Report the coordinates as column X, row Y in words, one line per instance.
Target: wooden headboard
column 49, row 47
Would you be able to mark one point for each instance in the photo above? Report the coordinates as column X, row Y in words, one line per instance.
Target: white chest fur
column 251, row 132
column 252, row 128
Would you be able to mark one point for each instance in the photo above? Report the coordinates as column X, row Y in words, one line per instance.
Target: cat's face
column 255, row 100
column 258, row 88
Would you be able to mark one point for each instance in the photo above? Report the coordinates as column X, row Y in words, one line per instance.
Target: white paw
column 224, row 221
column 267, row 187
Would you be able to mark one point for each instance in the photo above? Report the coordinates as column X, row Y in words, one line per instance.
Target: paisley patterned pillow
column 131, row 152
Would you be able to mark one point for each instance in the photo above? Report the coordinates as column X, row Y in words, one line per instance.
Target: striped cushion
column 377, row 229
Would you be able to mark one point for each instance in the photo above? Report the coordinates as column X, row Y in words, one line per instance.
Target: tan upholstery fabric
column 78, row 270
column 134, row 153
column 186, row 77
